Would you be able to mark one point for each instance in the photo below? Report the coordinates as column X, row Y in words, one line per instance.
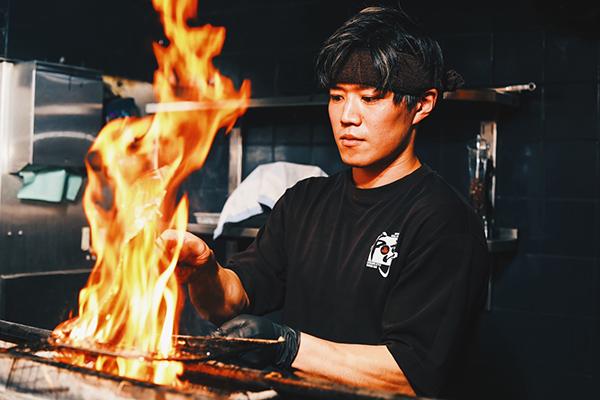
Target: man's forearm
column 217, row 295
column 365, row 365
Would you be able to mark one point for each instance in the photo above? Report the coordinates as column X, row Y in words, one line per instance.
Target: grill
column 32, row 367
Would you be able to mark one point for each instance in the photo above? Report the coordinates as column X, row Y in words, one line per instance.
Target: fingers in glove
column 242, row 326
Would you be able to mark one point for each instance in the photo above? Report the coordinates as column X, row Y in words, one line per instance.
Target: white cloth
column 265, row 185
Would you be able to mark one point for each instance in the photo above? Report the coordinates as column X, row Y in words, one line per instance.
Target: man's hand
column 195, row 258
column 216, row 292
column 250, row 326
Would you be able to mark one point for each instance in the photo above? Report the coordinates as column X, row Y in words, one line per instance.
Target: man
column 380, row 270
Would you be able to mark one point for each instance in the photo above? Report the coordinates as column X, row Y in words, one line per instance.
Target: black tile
column 525, row 214
column 515, row 15
column 523, row 123
column 322, row 132
column 294, row 129
column 237, row 32
column 569, row 228
column 571, row 111
column 230, row 67
column 453, row 166
column 258, row 133
column 518, row 57
column 571, row 169
column 327, row 158
column 471, row 56
column 448, row 18
column 519, row 169
column 569, row 58
column 547, row 384
column 303, row 26
column 207, row 200
column 453, row 161
column 428, row 140
column 300, row 154
column 597, row 247
column 295, row 75
column 596, row 342
column 260, row 70
column 255, row 155
column 559, row 286
column 428, row 145
column 529, row 341
column 214, row 173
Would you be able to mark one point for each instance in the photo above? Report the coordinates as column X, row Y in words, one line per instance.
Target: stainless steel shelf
column 472, row 95
column 483, row 96
column 469, row 95
column 503, row 240
column 289, row 101
column 228, row 232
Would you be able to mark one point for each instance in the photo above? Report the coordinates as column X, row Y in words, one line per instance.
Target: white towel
column 265, row 185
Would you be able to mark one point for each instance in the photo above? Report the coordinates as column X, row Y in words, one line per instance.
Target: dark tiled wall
column 542, row 337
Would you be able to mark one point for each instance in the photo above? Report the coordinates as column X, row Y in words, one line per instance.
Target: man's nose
column 350, row 113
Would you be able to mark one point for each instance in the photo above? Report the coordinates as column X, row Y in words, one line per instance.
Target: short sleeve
column 262, row 266
column 434, row 304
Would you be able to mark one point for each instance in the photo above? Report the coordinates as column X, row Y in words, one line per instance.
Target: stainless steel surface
column 54, row 114
column 48, row 115
column 503, row 240
column 17, row 114
column 35, row 236
column 235, row 159
column 527, row 87
column 489, row 131
column 233, row 232
column 265, row 102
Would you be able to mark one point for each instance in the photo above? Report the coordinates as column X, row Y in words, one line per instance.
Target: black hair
column 387, row 32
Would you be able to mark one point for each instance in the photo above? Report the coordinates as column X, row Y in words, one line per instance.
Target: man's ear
column 425, row 105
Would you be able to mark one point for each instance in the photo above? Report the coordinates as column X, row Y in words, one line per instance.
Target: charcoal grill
column 31, row 367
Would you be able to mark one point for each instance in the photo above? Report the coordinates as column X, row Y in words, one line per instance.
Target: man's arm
column 216, row 292
column 357, row 364
column 370, row 366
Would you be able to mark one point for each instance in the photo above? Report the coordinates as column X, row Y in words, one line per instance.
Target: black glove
column 251, row 326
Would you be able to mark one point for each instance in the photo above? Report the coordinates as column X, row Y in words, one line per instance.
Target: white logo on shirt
column 383, row 251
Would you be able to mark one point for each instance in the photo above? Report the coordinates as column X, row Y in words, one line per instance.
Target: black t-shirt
column 403, row 265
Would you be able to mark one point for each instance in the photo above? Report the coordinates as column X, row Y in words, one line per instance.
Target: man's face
column 369, row 128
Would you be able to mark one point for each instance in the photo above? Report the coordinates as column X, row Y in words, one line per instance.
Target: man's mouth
column 350, row 140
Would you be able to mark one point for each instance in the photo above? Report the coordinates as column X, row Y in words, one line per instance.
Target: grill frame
column 212, row 379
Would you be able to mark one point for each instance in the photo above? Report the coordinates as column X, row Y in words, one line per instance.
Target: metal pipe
column 529, row 87
column 21, row 334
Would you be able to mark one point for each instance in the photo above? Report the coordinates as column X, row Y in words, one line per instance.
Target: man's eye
column 370, row 99
column 335, row 97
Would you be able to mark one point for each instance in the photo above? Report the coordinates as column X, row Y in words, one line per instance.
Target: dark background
column 542, row 337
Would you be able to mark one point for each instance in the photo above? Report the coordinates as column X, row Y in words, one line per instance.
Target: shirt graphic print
column 383, row 251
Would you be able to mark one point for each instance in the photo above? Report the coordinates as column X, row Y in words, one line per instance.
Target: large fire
column 131, row 301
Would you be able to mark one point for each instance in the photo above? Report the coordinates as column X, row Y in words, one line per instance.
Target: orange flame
column 135, row 167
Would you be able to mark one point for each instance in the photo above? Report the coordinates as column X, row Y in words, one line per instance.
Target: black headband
column 409, row 76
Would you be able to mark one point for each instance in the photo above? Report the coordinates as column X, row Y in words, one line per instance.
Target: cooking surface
column 34, row 367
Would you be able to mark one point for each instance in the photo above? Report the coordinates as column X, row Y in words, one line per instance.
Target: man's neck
column 372, row 177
